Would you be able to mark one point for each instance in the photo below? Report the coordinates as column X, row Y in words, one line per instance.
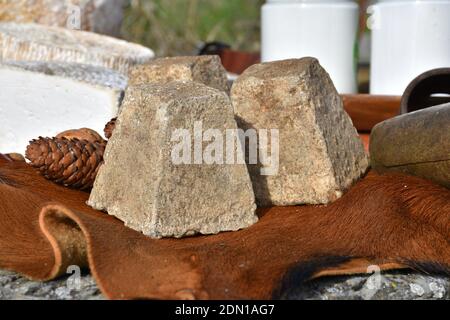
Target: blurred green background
column 177, row 27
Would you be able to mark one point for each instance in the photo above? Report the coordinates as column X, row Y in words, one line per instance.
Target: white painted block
column 43, row 99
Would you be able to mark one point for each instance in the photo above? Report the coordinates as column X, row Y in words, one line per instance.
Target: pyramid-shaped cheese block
column 45, row 98
column 35, row 42
column 319, row 152
column 164, row 190
column 203, row 69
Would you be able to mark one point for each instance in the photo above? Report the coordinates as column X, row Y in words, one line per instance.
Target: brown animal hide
column 394, row 221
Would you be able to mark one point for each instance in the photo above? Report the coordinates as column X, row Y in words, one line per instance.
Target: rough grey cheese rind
column 33, row 42
column 100, row 16
column 46, row 98
column 81, row 72
column 203, row 69
column 320, row 152
column 141, row 185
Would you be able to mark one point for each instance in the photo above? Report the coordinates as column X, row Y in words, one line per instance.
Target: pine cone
column 82, row 134
column 109, row 128
column 72, row 163
column 15, row 157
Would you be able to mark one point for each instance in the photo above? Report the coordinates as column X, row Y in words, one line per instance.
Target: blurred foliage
column 177, row 27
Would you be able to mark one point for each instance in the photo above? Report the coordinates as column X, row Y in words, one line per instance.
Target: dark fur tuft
column 429, row 267
column 302, row 272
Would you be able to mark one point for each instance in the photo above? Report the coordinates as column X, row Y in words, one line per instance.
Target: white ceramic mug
column 409, row 37
column 324, row 29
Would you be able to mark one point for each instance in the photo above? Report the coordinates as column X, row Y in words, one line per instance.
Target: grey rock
column 320, row 153
column 33, row 42
column 101, row 16
column 142, row 182
column 203, row 69
column 389, row 286
column 394, row 286
column 15, row 287
column 107, row 17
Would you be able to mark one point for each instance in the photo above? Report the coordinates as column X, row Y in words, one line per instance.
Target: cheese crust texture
column 33, row 42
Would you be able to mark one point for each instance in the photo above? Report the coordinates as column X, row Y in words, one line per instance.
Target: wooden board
column 367, row 110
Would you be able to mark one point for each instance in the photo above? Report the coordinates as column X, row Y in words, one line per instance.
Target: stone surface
column 390, row 286
column 203, row 69
column 320, row 153
column 101, row 16
column 33, row 42
column 141, row 184
column 393, row 286
column 415, row 143
column 15, row 287
column 46, row 98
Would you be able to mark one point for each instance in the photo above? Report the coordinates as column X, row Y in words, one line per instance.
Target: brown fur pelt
column 394, row 221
